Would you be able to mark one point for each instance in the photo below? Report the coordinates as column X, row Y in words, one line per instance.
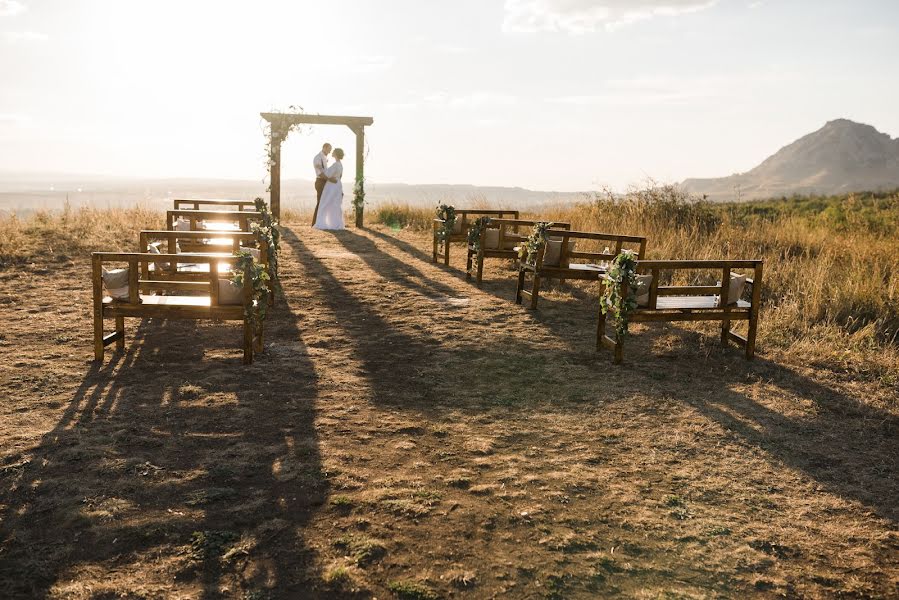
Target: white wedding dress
column 330, row 208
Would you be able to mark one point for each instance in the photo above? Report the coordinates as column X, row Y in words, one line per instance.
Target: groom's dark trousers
column 319, row 186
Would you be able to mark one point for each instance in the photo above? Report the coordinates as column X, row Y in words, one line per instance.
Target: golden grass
column 68, row 232
column 831, row 285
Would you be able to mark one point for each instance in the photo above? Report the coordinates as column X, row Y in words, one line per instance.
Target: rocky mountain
column 843, row 156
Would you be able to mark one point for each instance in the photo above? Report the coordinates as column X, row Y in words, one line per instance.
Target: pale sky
column 545, row 94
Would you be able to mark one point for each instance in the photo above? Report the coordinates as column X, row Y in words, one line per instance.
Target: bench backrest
column 199, row 241
column 724, row 269
column 218, row 203
column 613, row 241
column 205, row 242
column 509, row 230
column 242, row 218
column 465, row 217
column 139, row 262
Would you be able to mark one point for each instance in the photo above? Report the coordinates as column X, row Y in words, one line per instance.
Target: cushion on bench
column 642, row 291
column 491, row 241
column 116, row 283
column 159, row 264
column 254, row 252
column 552, row 255
column 735, row 289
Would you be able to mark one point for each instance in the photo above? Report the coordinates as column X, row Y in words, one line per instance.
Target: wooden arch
column 280, row 126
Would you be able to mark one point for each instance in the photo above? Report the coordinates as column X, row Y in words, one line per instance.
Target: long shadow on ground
column 847, row 446
column 205, row 468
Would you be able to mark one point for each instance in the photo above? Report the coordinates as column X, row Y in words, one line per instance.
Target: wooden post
column 360, row 171
column 275, row 174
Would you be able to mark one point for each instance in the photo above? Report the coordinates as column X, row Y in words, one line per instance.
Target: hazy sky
column 545, row 94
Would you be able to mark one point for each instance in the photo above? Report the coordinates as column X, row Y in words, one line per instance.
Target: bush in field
column 401, row 216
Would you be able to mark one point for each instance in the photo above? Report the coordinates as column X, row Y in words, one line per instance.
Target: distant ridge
column 24, row 192
column 843, row 156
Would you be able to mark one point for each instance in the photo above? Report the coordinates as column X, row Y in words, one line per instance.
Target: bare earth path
column 408, row 435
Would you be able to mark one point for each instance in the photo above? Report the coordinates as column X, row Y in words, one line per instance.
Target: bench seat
column 694, row 303
column 173, row 307
column 167, row 300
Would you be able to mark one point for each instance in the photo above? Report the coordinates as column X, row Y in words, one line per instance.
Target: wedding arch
column 280, row 125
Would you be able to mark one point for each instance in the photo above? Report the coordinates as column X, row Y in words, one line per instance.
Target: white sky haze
column 546, row 94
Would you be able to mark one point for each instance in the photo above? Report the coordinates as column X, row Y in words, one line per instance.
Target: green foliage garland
column 359, row 194
column 474, row 232
column 622, row 270
column 536, row 240
column 447, row 213
column 277, row 131
column 267, row 233
column 258, row 305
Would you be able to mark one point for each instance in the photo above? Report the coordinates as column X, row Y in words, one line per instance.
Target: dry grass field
column 407, row 435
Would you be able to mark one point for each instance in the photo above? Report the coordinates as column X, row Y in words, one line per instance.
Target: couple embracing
column 328, row 190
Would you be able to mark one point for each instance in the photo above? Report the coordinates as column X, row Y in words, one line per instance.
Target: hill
column 843, row 156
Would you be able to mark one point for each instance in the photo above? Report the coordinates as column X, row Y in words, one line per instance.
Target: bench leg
column 619, row 349
column 247, row 342
column 446, row 247
column 120, row 329
column 600, row 329
column 480, row 269
column 434, row 250
column 257, row 347
column 535, row 290
column 468, row 265
column 98, row 336
column 520, row 286
column 725, row 332
column 750, row 335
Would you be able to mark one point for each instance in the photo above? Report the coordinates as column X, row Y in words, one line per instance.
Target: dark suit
column 320, row 181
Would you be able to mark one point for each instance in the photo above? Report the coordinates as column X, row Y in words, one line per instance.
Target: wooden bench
column 592, row 270
column 464, row 219
column 670, row 303
column 183, row 300
column 500, row 239
column 223, row 220
column 217, row 203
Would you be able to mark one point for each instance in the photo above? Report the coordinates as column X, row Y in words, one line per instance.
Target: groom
column 320, row 162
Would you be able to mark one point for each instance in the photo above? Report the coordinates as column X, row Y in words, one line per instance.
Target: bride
column 330, row 208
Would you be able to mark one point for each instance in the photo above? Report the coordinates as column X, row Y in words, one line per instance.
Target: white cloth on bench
column 642, row 292
column 160, row 265
column 552, row 255
column 735, row 289
column 116, row 283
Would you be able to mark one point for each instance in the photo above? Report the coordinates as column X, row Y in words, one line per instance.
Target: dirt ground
column 408, row 435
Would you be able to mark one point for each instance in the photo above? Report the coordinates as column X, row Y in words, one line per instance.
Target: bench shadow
column 391, row 269
column 846, row 445
column 501, row 288
column 163, row 456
